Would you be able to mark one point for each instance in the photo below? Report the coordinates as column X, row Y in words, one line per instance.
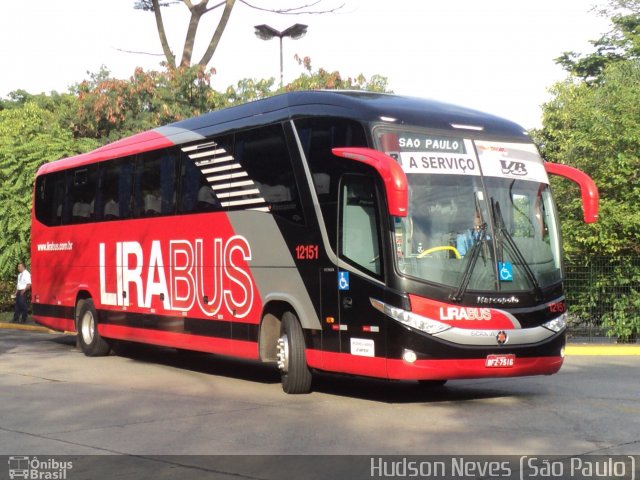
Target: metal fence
column 592, row 287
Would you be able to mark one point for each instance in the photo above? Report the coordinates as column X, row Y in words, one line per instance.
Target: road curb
column 30, row 327
column 604, row 350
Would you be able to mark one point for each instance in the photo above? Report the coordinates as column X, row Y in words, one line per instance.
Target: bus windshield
column 480, row 214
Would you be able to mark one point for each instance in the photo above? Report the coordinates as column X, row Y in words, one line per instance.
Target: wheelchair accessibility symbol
column 505, row 269
column 343, row 280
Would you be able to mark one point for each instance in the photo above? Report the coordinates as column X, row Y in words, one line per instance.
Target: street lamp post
column 265, row 32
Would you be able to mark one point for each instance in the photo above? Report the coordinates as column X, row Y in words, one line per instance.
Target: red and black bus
column 368, row 234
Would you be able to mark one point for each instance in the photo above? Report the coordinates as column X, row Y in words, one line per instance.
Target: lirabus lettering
column 210, row 274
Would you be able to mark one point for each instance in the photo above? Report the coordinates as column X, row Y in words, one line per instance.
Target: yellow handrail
column 440, row 249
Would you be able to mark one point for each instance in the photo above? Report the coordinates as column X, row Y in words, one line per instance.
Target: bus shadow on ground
column 377, row 390
column 408, row 392
column 206, row 363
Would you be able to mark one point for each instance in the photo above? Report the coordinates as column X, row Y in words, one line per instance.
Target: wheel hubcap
column 88, row 328
column 283, row 353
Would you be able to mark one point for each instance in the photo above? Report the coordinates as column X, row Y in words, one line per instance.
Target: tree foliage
column 323, row 79
column 596, row 128
column 621, row 43
column 110, row 108
column 30, row 136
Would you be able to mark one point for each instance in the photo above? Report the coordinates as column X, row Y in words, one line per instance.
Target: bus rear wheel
column 90, row 341
column 292, row 362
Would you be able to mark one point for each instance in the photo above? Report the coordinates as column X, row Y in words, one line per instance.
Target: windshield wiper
column 473, row 254
column 503, row 237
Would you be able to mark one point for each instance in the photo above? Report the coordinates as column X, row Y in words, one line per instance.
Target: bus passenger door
column 362, row 339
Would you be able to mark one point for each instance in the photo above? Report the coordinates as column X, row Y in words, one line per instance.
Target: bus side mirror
column 394, row 178
column 588, row 188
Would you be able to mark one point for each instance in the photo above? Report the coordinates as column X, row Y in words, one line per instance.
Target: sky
column 496, row 56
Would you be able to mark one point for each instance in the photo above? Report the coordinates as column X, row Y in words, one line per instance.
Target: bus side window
column 359, row 240
column 189, row 184
column 49, row 201
column 82, row 194
column 318, row 136
column 263, row 155
column 210, row 177
column 114, row 199
column 155, row 184
column 195, row 192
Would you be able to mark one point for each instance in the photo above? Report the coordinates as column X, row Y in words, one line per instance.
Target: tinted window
column 114, row 199
column 247, row 171
column 81, row 198
column 207, row 174
column 359, row 241
column 196, row 195
column 49, row 201
column 155, row 184
column 263, row 179
column 318, row 136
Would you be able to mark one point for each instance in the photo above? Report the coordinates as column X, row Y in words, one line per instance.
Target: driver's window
column 359, row 240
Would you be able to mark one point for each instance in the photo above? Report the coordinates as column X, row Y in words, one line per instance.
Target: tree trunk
column 215, row 39
column 168, row 54
column 196, row 14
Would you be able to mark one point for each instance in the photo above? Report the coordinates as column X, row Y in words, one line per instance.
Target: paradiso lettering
column 210, row 275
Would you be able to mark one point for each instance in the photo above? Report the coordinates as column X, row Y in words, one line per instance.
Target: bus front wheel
column 292, row 361
column 91, row 343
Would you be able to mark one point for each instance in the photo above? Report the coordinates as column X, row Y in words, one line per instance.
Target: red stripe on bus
column 346, row 363
column 223, row 346
column 449, row 369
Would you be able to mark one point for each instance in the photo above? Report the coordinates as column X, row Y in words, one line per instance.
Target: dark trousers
column 21, row 308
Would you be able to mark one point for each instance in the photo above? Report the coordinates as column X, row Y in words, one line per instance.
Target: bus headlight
column 410, row 319
column 409, row 356
column 557, row 324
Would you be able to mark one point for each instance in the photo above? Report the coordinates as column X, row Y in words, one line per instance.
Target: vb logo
column 513, row 168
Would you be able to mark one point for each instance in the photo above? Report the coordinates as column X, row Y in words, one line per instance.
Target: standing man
column 23, row 286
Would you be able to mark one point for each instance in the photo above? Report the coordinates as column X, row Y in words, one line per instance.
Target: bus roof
column 367, row 107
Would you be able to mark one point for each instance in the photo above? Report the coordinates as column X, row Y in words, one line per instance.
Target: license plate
column 500, row 361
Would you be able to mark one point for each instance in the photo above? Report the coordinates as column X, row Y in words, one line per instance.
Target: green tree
column 593, row 123
column 621, row 43
column 323, row 79
column 596, row 128
column 108, row 108
column 30, row 136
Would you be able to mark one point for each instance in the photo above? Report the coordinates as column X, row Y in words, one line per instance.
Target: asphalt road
column 150, row 401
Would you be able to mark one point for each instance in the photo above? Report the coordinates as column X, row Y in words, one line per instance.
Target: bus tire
column 90, row 341
column 292, row 361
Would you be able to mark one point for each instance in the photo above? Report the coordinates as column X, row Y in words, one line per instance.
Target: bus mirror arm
column 588, row 188
column 394, row 178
